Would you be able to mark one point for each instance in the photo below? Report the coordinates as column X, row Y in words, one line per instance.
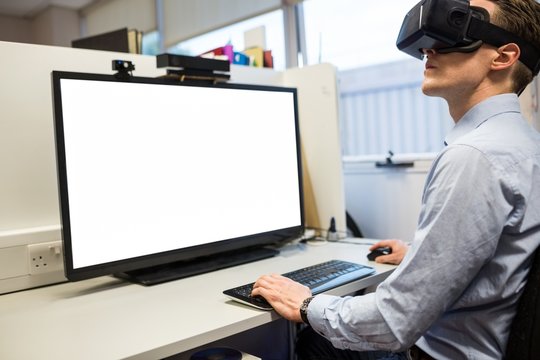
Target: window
column 150, row 43
column 382, row 106
column 234, row 34
column 352, row 33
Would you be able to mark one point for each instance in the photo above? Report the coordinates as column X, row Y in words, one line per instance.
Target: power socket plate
column 45, row 257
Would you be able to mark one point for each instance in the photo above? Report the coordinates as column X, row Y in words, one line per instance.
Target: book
column 220, row 53
column 240, row 59
column 256, row 56
column 268, row 59
column 121, row 40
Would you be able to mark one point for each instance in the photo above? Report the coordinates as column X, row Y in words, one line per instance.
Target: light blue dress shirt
column 455, row 292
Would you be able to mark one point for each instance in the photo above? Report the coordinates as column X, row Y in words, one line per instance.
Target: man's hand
column 399, row 249
column 284, row 294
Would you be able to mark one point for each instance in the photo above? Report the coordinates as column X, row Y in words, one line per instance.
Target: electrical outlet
column 45, row 257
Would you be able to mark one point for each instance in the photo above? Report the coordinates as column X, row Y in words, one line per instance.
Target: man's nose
column 429, row 51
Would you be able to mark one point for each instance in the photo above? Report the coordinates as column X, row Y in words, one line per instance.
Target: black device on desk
column 161, row 180
column 319, row 278
column 379, row 252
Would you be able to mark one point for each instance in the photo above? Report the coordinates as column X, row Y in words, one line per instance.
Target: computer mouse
column 378, row 252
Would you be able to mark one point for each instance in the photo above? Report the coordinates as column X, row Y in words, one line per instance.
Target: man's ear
column 508, row 55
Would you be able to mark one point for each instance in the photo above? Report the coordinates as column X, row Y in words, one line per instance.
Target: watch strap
column 303, row 309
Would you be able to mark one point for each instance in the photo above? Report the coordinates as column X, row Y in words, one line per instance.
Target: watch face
column 303, row 309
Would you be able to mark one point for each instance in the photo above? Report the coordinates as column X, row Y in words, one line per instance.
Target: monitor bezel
column 274, row 237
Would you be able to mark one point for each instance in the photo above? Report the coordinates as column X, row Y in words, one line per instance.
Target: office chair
column 352, row 226
column 524, row 340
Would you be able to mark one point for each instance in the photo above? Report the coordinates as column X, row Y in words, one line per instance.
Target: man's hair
column 522, row 18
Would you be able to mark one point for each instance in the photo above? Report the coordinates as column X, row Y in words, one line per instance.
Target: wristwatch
column 303, row 309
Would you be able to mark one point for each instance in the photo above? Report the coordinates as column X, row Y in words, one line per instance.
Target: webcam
column 124, row 69
column 122, row 65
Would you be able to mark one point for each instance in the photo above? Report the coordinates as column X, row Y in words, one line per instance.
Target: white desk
column 107, row 318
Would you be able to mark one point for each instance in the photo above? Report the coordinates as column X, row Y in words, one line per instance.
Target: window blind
column 184, row 19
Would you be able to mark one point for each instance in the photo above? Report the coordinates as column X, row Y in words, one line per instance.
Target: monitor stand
column 181, row 269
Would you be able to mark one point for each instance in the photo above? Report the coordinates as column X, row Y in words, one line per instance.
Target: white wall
column 15, row 29
column 385, row 202
column 53, row 26
column 56, row 26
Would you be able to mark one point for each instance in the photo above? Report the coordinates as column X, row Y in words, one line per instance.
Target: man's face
column 455, row 75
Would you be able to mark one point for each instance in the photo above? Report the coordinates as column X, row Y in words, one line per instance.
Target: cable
column 324, row 232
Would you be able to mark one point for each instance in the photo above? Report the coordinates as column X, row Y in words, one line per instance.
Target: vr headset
column 455, row 26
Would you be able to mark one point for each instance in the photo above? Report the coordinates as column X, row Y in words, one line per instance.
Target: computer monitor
column 156, row 175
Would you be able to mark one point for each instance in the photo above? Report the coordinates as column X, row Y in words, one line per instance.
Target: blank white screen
column 152, row 168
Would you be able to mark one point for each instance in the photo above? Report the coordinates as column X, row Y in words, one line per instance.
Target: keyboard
column 319, row 278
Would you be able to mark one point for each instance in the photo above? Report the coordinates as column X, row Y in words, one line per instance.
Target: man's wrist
column 304, row 308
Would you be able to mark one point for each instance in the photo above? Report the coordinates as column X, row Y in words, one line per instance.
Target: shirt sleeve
column 464, row 208
column 353, row 323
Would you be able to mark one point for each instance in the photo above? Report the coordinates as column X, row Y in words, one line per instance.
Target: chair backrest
column 524, row 340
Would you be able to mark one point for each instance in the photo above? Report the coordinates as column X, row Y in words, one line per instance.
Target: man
column 455, row 292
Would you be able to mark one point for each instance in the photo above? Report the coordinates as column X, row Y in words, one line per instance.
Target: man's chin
column 430, row 90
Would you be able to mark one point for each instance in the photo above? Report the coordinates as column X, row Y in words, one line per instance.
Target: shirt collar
column 481, row 112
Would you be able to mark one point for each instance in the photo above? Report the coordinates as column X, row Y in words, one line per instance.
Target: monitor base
column 181, row 269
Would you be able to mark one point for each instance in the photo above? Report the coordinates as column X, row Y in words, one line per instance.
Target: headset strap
column 496, row 36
